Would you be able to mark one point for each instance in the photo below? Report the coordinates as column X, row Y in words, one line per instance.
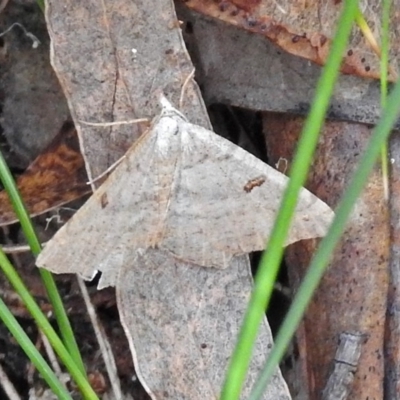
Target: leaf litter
column 179, row 194
column 185, row 190
column 204, row 306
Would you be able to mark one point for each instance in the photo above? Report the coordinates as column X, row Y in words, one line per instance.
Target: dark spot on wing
column 104, row 200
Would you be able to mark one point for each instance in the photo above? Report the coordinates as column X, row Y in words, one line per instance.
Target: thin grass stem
column 271, row 259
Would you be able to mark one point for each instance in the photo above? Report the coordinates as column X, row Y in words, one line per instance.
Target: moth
column 186, row 191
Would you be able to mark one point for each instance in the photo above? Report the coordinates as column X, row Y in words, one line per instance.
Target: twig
column 51, row 355
column 104, row 344
column 345, row 364
column 7, row 386
column 17, row 248
column 35, row 40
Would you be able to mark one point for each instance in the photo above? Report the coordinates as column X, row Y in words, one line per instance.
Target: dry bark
column 352, row 294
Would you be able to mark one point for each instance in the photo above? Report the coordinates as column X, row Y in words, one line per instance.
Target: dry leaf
column 185, row 190
column 135, row 49
column 172, row 312
column 128, row 63
column 181, row 194
column 265, row 78
column 305, row 29
column 32, row 104
column 352, row 294
column 56, row 177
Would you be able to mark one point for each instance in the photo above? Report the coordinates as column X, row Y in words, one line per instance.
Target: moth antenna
column 109, row 169
column 184, row 87
column 115, row 123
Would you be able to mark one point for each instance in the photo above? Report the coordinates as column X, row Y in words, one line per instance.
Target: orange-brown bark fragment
column 55, row 178
column 352, row 293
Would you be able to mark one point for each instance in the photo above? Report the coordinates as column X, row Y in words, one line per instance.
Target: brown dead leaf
column 177, row 202
column 32, row 104
column 352, row 295
column 124, row 73
column 135, row 50
column 55, row 178
column 177, row 329
column 263, row 77
column 305, row 29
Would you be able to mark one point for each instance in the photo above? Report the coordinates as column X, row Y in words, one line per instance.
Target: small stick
column 35, row 40
column 63, row 378
column 104, row 344
column 15, row 249
column 7, row 386
column 345, row 365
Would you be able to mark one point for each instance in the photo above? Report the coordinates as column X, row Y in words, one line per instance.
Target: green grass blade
column 31, row 351
column 48, row 280
column 271, row 259
column 367, row 32
column 40, row 3
column 321, row 258
column 64, row 325
column 46, row 328
column 383, row 53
